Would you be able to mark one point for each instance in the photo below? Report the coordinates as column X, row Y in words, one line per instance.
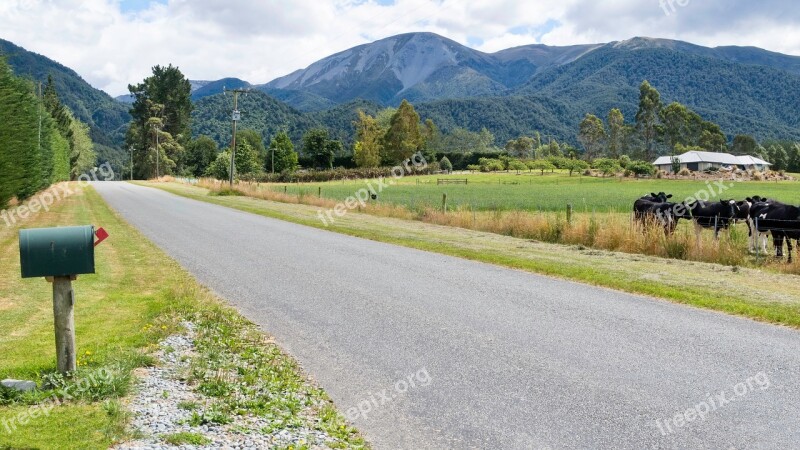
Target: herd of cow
column 763, row 217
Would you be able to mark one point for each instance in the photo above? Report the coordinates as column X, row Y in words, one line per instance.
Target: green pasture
column 534, row 192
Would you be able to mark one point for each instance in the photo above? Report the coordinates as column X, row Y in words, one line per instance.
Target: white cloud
column 261, row 40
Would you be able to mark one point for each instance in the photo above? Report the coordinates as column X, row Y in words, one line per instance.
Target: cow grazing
column 654, row 208
column 716, row 215
column 782, row 220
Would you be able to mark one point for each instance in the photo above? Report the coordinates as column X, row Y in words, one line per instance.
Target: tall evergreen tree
column 647, row 118
column 165, row 96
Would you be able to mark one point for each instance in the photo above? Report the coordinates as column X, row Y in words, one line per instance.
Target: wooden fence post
column 444, row 203
column 569, row 213
column 64, row 318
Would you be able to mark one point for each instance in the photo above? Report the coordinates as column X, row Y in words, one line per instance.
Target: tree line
column 671, row 130
column 159, row 138
column 41, row 141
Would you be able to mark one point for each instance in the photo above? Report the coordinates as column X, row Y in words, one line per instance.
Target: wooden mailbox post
column 60, row 255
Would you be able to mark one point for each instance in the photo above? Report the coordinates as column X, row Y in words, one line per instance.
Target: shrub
column 641, row 168
column 574, row 165
column 446, row 165
column 541, row 165
column 517, row 165
column 491, row 165
column 606, row 166
column 474, row 168
column 685, row 172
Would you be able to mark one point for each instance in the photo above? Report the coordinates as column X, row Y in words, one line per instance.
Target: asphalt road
column 449, row 353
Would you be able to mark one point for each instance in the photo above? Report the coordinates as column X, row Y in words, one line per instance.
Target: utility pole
column 41, row 100
column 236, row 116
column 158, row 156
column 131, row 148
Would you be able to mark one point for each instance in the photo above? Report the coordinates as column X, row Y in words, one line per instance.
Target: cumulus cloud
column 111, row 43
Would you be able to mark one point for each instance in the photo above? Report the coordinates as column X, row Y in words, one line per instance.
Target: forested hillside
column 212, row 117
column 743, row 99
column 106, row 117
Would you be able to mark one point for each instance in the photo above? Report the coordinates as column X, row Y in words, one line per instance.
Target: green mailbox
column 56, row 252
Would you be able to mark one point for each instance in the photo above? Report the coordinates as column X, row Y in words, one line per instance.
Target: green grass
column 774, row 298
column 184, row 438
column 135, row 285
column 138, row 297
column 533, row 192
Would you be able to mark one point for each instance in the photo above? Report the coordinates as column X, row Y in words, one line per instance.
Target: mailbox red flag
column 102, row 235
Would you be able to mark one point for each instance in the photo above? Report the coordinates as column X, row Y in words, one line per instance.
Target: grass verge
column 137, row 298
column 766, row 296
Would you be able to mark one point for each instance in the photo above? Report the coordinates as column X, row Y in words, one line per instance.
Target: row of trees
column 393, row 135
column 41, row 142
column 657, row 129
column 159, row 136
column 160, row 139
column 606, row 166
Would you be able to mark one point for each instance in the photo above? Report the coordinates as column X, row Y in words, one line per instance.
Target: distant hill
column 107, row 118
column 216, row 87
column 212, row 117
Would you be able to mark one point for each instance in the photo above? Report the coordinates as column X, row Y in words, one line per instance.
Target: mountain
column 742, row 98
column 300, row 100
column 421, row 66
column 744, row 89
column 106, row 117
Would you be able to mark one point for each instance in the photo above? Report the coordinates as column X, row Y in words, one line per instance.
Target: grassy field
column 774, row 297
column 138, row 296
column 605, row 228
column 534, row 192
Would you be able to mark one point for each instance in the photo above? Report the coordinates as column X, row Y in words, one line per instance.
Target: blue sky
column 112, row 43
column 133, row 6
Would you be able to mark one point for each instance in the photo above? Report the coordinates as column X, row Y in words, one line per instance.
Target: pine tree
column 163, row 101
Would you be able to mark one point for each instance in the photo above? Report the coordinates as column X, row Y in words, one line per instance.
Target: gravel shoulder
column 172, row 406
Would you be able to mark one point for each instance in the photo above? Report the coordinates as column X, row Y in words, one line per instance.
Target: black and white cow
column 759, row 204
column 780, row 219
column 716, row 215
column 655, row 208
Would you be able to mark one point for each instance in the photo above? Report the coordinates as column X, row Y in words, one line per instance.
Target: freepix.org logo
column 44, row 200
